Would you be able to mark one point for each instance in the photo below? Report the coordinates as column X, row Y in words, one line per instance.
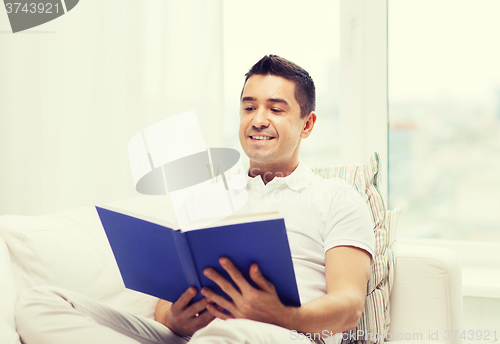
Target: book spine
column 186, row 259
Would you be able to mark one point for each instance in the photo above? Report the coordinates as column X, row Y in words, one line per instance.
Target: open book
column 164, row 262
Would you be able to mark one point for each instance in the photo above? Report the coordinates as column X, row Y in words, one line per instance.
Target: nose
column 260, row 120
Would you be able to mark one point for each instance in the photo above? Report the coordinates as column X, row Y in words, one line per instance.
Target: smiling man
column 272, row 125
column 329, row 231
column 328, row 226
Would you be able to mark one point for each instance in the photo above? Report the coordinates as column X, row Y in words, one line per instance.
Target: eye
column 276, row 110
column 248, row 108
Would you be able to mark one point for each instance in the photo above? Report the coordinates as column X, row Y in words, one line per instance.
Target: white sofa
column 426, row 300
column 69, row 249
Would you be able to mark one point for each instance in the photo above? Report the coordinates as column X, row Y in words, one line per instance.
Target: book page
column 242, row 218
column 146, row 217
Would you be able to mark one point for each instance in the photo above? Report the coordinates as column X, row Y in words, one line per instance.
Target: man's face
column 270, row 123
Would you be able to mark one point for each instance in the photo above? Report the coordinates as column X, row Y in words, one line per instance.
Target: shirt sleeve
column 348, row 222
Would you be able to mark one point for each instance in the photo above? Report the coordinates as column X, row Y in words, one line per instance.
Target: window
column 307, row 35
column 444, row 118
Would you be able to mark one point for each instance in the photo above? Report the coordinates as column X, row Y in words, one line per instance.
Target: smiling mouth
column 261, row 138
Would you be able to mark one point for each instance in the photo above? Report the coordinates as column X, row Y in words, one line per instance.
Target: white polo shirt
column 319, row 215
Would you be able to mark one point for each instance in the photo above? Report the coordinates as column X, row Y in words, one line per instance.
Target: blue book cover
column 163, row 262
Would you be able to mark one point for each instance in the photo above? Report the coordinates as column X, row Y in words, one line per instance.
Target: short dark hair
column 305, row 92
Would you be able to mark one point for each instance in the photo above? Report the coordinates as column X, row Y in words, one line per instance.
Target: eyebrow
column 270, row 100
column 277, row 100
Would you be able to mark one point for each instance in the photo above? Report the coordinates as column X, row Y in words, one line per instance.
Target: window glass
column 444, row 118
column 307, row 35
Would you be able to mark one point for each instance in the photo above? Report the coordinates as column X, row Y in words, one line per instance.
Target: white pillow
column 70, row 250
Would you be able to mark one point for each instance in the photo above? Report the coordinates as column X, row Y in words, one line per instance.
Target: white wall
column 74, row 90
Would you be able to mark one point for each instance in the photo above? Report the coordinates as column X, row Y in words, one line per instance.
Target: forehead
column 264, row 87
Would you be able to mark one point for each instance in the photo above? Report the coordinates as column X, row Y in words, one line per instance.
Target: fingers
column 193, row 316
column 203, row 319
column 219, row 300
column 260, row 280
column 196, row 307
column 181, row 304
column 183, row 300
column 223, row 283
column 217, row 312
column 219, row 308
column 234, row 273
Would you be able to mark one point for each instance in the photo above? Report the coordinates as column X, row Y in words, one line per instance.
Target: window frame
column 364, row 112
column 363, row 99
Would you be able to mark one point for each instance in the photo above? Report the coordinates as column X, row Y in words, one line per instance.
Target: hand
column 248, row 302
column 185, row 320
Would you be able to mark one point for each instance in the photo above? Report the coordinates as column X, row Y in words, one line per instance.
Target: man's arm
column 347, row 273
column 183, row 319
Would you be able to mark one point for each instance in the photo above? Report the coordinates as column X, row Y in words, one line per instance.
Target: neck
column 269, row 171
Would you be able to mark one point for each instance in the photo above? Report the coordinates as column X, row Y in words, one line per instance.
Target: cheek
column 293, row 134
column 242, row 128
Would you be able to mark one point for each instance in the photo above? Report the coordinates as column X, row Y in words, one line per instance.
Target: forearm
column 334, row 312
column 162, row 312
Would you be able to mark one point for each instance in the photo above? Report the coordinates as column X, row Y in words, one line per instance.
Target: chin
column 262, row 159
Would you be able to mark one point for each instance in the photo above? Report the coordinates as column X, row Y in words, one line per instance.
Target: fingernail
column 207, row 272
column 223, row 261
column 203, row 291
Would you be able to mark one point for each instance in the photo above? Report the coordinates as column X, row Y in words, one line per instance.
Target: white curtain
column 75, row 90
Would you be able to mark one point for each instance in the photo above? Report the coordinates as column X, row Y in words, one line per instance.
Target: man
column 277, row 111
column 329, row 232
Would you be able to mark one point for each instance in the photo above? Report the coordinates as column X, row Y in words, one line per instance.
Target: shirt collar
column 300, row 178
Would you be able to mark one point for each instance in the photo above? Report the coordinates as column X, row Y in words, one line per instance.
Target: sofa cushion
column 375, row 319
column 70, row 250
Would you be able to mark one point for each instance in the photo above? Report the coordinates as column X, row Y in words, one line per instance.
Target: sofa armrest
column 426, row 300
column 8, row 298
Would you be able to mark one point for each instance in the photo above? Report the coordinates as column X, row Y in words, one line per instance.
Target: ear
column 308, row 126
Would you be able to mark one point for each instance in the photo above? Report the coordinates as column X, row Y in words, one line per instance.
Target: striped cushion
column 374, row 322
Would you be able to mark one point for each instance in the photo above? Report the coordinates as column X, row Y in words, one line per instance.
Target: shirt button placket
column 263, row 197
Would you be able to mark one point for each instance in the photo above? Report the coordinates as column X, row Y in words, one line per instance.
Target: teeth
column 261, row 137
